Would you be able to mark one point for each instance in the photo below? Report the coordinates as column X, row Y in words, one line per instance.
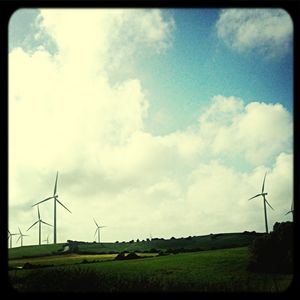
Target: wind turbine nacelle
column 264, row 194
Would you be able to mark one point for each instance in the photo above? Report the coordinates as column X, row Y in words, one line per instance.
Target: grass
column 31, row 251
column 215, row 270
column 206, row 242
column 67, row 259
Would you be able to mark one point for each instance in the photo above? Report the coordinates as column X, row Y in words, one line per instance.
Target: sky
column 159, row 122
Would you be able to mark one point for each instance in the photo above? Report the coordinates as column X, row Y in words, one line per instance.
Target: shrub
column 153, row 250
column 84, row 261
column 132, row 255
column 120, row 256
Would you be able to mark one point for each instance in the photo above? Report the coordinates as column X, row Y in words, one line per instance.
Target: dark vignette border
column 7, row 8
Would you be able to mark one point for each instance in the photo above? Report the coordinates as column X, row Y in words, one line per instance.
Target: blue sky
column 154, row 115
column 198, row 66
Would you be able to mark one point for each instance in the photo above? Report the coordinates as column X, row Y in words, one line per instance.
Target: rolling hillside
column 196, row 243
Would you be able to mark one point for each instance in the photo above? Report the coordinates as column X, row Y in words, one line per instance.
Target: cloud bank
column 66, row 115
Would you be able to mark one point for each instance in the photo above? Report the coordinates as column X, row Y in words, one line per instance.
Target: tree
column 273, row 252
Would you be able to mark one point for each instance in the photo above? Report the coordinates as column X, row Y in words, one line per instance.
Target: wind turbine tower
column 40, row 221
column 263, row 194
column 47, row 240
column 21, row 236
column 292, row 210
column 98, row 230
column 55, row 198
column 10, row 235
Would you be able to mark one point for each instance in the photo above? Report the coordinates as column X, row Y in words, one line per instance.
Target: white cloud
column 269, row 31
column 257, row 131
column 66, row 115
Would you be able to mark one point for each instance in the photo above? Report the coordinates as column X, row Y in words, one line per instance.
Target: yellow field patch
column 67, row 259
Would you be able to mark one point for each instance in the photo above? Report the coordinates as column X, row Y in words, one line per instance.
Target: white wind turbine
column 292, row 210
column 263, row 194
column 40, row 221
column 55, row 197
column 10, row 235
column 98, row 230
column 21, row 236
column 47, row 240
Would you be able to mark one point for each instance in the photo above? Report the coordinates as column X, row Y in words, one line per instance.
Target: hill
column 195, row 243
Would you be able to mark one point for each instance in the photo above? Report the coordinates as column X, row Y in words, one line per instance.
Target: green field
column 205, row 242
column 67, row 259
column 29, row 251
column 214, row 270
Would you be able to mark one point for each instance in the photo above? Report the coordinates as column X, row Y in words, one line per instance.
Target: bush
column 120, row 256
column 132, row 255
column 273, row 252
column 153, row 250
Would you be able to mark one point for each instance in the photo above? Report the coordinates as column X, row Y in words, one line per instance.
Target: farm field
column 34, row 250
column 214, row 270
column 205, row 242
column 67, row 259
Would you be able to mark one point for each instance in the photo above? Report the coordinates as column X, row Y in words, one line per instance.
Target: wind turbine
column 292, row 210
column 10, row 235
column 55, row 196
column 98, row 230
column 40, row 221
column 263, row 194
column 47, row 240
column 21, row 236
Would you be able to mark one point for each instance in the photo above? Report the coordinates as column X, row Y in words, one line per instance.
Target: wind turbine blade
column 42, row 201
column 288, row 212
column 8, row 231
column 96, row 232
column 20, row 230
column 254, row 196
column 269, row 203
column 46, row 223
column 263, row 186
column 55, row 186
column 32, row 225
column 102, row 226
column 96, row 223
column 18, row 238
column 39, row 212
column 62, row 205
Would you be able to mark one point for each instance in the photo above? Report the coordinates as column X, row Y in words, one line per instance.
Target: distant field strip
column 67, row 259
